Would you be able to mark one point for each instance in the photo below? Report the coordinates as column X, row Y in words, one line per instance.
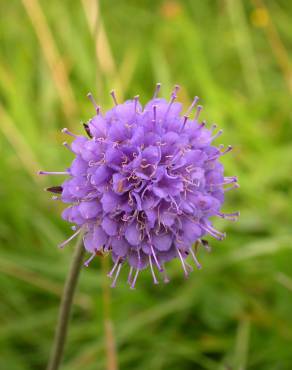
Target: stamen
column 227, row 180
column 155, row 259
column 69, row 239
column 116, row 276
column 186, row 117
column 91, row 98
column 197, row 263
column 87, row 262
column 130, row 275
column 198, row 111
column 234, row 186
column 215, row 233
column 183, row 264
column 213, row 127
column 191, row 107
column 139, row 257
column 110, row 274
column 157, row 89
column 174, row 92
column 66, row 131
column 154, row 114
column 229, row 216
column 202, row 125
column 113, row 95
column 66, row 145
column 189, row 266
column 219, row 133
column 206, row 245
column 87, row 130
column 173, row 96
column 134, row 280
column 227, row 150
column 136, row 100
column 52, row 173
column 152, row 271
column 55, row 189
column 165, row 277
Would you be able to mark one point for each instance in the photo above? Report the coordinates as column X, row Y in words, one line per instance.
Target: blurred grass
column 234, row 54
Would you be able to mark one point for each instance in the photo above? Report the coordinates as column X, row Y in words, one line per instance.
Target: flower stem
column 65, row 307
column 110, row 345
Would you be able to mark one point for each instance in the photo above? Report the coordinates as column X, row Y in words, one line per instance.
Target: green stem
column 65, row 307
column 110, row 345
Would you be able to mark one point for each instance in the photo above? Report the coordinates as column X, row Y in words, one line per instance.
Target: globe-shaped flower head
column 144, row 184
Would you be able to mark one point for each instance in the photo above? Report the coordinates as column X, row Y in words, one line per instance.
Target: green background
column 235, row 313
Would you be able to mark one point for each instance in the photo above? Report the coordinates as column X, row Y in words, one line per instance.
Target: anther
column 191, row 107
column 152, row 271
column 55, row 189
column 52, row 173
column 130, row 275
column 154, row 114
column 157, row 89
column 116, row 276
column 113, row 95
column 91, row 98
column 66, row 145
column 197, row 263
column 87, row 262
column 66, row 131
column 136, row 100
column 135, row 279
column 87, row 130
column 198, row 111
column 69, row 239
column 182, row 263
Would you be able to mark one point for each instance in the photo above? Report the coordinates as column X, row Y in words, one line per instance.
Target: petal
column 114, row 157
column 151, row 155
column 110, row 201
column 94, row 240
column 109, row 226
column 78, row 167
column 120, row 247
column 102, row 174
column 151, row 217
column 120, row 183
column 137, row 260
column 89, row 209
column 191, row 231
column 73, row 215
column 78, row 144
column 98, row 126
column 132, row 234
column 167, row 255
column 162, row 242
column 167, row 218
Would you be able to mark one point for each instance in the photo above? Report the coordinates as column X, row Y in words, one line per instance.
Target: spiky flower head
column 144, row 184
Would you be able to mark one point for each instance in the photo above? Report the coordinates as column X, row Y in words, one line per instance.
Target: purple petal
column 109, row 226
column 162, row 242
column 94, row 240
column 102, row 174
column 89, row 209
column 120, row 246
column 110, row 201
column 132, row 234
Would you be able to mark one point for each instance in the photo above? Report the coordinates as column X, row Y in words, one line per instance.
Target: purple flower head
column 144, row 184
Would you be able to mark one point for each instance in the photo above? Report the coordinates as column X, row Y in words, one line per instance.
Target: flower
column 144, row 184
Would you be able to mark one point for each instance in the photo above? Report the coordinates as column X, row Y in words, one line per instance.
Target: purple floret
column 144, row 184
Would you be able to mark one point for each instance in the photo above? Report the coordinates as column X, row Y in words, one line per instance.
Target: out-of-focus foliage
column 236, row 55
